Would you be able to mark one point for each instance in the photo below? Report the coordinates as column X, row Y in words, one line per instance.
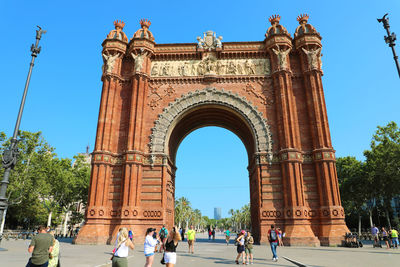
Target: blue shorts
column 150, row 254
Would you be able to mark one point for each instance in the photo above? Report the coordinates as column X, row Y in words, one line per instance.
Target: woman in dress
column 248, row 244
column 149, row 246
column 120, row 256
column 170, row 247
column 240, row 247
column 53, row 259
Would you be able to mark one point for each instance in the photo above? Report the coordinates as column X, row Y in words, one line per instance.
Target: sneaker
column 274, row 259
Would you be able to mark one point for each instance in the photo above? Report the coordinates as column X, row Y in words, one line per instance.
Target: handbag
column 162, row 259
column 112, row 257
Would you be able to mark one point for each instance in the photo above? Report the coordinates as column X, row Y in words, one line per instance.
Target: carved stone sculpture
column 282, row 57
column 209, row 41
column 139, row 59
column 109, row 61
column 312, row 57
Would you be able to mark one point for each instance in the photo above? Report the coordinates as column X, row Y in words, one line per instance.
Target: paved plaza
column 209, row 253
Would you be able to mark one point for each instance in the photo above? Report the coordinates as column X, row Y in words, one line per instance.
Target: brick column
column 331, row 213
column 297, row 226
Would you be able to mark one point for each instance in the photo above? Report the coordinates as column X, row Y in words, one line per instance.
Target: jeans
column 395, row 241
column 273, row 248
column 30, row 264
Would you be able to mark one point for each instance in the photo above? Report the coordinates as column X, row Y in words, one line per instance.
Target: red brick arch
column 269, row 93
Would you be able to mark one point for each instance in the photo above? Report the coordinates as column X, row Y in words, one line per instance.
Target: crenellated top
column 144, row 32
column 118, row 33
column 304, row 28
column 276, row 28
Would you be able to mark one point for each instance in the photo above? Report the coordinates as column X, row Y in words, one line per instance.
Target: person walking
column 170, row 247
column 54, row 255
column 120, row 256
column 183, row 234
column 280, row 242
column 213, row 233
column 40, row 247
column 273, row 241
column 395, row 237
column 191, row 237
column 248, row 246
column 209, row 234
column 385, row 237
column 374, row 233
column 149, row 246
column 227, row 236
column 240, row 247
column 163, row 235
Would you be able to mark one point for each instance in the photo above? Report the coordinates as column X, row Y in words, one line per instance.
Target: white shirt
column 149, row 244
column 122, row 251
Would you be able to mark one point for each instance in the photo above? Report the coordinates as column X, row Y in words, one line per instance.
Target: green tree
column 42, row 185
column 355, row 187
column 27, row 180
column 383, row 165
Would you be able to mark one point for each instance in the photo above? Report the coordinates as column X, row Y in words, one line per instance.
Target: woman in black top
column 170, row 247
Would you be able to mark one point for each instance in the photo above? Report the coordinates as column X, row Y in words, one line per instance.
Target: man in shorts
column 40, row 247
column 395, row 237
column 191, row 237
column 227, row 236
column 374, row 233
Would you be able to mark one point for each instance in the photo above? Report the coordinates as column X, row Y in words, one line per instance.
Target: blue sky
column 362, row 89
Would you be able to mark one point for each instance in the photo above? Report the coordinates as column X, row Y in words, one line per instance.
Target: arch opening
column 210, row 115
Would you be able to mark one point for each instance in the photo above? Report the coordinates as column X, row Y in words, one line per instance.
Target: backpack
column 162, row 234
column 273, row 236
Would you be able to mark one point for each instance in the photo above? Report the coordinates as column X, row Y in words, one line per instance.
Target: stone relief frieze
column 210, row 66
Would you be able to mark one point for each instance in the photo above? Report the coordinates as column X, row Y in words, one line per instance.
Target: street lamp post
column 389, row 39
column 10, row 154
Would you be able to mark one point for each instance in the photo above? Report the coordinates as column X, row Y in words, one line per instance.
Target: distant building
column 217, row 213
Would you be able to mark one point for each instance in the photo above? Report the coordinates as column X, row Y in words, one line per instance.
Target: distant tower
column 217, row 213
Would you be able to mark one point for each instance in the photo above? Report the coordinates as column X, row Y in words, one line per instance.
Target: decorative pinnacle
column 145, row 23
column 274, row 19
column 302, row 17
column 119, row 23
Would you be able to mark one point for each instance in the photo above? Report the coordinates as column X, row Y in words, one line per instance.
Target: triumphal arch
column 269, row 93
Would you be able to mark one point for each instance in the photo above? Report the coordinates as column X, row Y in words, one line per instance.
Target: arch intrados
column 210, row 115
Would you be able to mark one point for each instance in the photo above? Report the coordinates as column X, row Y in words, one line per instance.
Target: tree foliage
column 41, row 183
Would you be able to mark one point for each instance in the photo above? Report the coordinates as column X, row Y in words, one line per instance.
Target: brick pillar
column 331, row 213
column 97, row 227
column 297, row 226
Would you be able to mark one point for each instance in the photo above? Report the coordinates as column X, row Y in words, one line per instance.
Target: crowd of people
column 390, row 237
column 244, row 243
column 45, row 248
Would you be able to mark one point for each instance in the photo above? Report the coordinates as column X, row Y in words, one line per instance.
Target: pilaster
column 297, row 225
column 331, row 213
